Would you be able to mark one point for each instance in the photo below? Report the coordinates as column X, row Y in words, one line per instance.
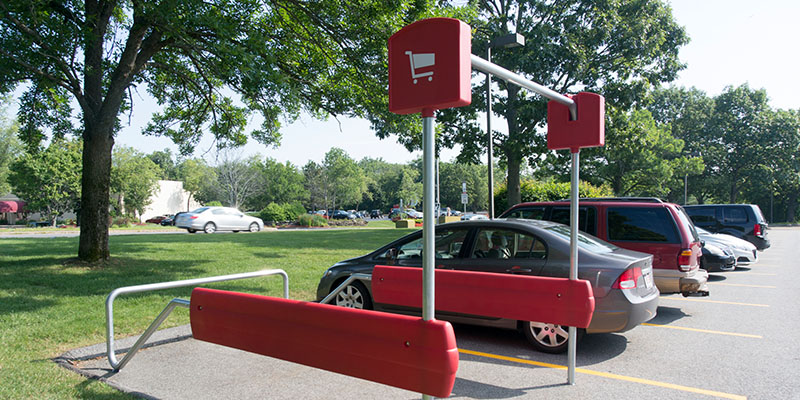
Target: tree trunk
column 791, row 208
column 97, row 145
column 514, row 196
column 513, row 154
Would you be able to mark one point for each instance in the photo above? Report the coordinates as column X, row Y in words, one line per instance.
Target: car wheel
column 354, row 295
column 254, row 227
column 192, row 230
column 210, row 228
column 547, row 338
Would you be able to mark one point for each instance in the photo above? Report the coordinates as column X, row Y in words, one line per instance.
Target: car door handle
column 517, row 269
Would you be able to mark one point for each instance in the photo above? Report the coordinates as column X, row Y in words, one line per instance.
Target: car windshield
column 585, row 242
column 200, row 210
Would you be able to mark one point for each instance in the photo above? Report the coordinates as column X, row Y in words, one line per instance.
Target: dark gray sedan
column 622, row 280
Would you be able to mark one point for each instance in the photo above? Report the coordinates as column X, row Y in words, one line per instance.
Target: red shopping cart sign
column 429, row 66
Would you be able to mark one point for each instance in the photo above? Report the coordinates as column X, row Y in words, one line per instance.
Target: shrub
column 294, row 210
column 531, row 190
column 3, row 222
column 311, row 220
column 274, row 212
column 214, row 203
column 347, row 222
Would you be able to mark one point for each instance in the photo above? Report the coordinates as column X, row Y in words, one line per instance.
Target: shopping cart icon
column 421, row 60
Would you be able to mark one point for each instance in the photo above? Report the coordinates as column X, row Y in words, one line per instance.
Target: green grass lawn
column 49, row 305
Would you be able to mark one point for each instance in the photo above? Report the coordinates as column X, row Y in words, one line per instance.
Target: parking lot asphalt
column 740, row 342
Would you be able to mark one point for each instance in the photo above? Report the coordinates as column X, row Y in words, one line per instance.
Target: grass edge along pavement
column 49, row 305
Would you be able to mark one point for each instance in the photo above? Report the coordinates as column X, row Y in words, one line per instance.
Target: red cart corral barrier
column 396, row 350
column 526, row 298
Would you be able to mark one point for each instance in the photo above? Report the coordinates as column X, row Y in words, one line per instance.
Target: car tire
column 210, row 228
column 192, row 230
column 547, row 338
column 354, row 295
column 254, row 227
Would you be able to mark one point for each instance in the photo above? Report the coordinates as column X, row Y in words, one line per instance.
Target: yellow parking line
column 608, row 375
column 704, row 331
column 713, row 301
column 742, row 285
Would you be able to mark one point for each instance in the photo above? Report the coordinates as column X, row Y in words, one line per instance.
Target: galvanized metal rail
column 112, row 357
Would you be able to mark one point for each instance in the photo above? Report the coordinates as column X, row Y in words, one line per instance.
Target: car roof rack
column 620, row 199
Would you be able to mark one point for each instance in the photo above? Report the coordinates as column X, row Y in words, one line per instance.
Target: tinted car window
column 587, row 218
column 686, row 221
column 585, row 242
column 734, row 214
column 703, row 215
column 641, row 224
column 505, row 244
column 527, row 213
column 200, row 210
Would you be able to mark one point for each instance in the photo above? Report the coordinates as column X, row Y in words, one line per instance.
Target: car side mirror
column 703, row 243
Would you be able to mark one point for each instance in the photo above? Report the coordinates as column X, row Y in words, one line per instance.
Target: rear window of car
column 585, row 242
column 733, row 215
column 703, row 215
column 641, row 224
column 687, row 222
column 587, row 218
column 200, row 210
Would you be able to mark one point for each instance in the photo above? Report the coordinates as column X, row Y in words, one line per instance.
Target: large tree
column 10, row 147
column 208, row 63
column 615, row 47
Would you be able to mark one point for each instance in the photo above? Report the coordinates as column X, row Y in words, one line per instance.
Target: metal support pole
column 428, row 227
column 490, row 146
column 573, row 260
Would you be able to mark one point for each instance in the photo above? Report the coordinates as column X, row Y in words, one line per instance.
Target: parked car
column 158, row 219
column 375, row 214
column 717, row 258
column 648, row 225
column 472, row 217
column 414, row 214
column 212, row 219
column 744, row 221
column 342, row 214
column 622, row 280
column 745, row 252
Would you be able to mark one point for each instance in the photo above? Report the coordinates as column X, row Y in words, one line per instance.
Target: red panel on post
column 524, row 298
column 429, row 66
column 587, row 131
column 395, row 350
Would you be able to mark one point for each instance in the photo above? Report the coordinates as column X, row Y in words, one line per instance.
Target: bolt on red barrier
column 588, row 130
column 396, row 350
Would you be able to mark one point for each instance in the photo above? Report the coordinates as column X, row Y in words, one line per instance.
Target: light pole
column 507, row 41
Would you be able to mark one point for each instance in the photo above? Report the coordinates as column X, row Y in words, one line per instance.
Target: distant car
column 342, row 214
column 716, row 258
column 473, row 217
column 744, row 221
column 158, row 219
column 745, row 252
column 212, row 219
column 622, row 280
column 414, row 214
column 375, row 214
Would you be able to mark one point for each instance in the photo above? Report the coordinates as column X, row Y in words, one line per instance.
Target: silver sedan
column 744, row 251
column 212, row 219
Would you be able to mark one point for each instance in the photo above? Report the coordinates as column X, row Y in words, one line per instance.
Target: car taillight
column 628, row 279
column 685, row 260
column 757, row 230
column 193, row 217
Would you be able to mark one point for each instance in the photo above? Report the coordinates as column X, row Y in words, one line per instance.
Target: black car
column 717, row 258
column 342, row 214
column 622, row 280
column 375, row 214
column 744, row 221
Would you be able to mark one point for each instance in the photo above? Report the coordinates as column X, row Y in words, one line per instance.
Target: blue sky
column 732, row 42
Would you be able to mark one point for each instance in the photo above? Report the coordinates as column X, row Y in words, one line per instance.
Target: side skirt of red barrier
column 396, row 350
column 525, row 298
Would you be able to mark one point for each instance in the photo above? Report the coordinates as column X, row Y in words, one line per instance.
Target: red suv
column 648, row 225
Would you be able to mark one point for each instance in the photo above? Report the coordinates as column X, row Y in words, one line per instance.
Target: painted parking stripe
column 713, row 301
column 742, row 285
column 704, row 331
column 649, row 382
